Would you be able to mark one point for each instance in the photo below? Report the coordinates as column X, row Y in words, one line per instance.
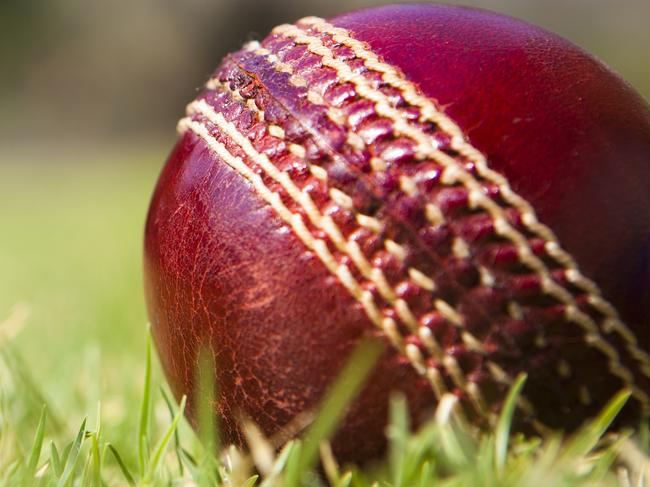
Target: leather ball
column 467, row 187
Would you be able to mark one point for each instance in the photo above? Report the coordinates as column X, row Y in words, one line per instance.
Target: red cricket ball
column 468, row 187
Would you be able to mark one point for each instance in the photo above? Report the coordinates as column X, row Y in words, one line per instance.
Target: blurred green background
column 90, row 92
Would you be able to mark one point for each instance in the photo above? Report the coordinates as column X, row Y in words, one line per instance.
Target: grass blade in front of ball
column 341, row 394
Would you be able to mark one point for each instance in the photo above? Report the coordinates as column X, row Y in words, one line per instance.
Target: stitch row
column 453, row 174
column 338, row 196
column 549, row 286
column 319, row 248
column 371, row 273
column 430, row 113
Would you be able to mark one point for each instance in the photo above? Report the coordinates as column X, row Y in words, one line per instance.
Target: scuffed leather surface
column 222, row 272
column 570, row 135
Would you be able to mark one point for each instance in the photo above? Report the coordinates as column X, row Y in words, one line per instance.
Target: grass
column 83, row 402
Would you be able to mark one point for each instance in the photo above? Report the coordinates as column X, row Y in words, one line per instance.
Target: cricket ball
column 467, row 187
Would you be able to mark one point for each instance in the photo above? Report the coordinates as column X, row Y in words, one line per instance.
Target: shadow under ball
column 469, row 188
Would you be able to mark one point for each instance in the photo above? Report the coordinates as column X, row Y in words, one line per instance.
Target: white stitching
column 351, row 248
column 430, row 113
column 318, row 246
column 370, row 223
column 407, row 185
column 377, row 164
column 457, row 174
column 395, row 249
column 400, row 306
column 316, row 171
column 421, row 279
column 341, row 199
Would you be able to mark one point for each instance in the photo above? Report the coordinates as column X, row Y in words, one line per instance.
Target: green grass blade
column 96, row 461
column 457, row 446
column 587, row 438
column 279, row 466
column 145, row 413
column 123, row 468
column 205, row 394
column 191, row 465
column 202, row 474
column 609, row 413
column 345, row 480
column 32, row 392
column 502, row 433
column 416, row 447
column 177, row 440
column 251, row 481
column 66, row 453
column 83, row 479
column 143, row 447
column 95, row 456
column 608, row 457
column 426, row 473
column 71, row 460
column 345, row 388
column 208, row 428
column 37, row 445
column 160, row 449
column 399, row 430
column 293, row 470
column 55, row 460
column 187, row 457
column 643, row 435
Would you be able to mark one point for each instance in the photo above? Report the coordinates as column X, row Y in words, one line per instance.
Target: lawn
column 70, row 255
column 73, row 343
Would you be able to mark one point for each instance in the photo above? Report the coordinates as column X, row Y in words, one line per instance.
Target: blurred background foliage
column 90, row 91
